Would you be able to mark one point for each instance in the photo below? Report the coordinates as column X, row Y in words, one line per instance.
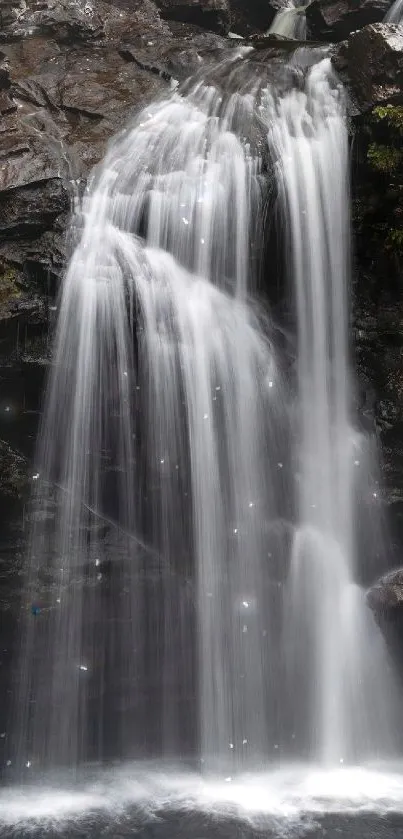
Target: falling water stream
column 329, row 628
column 194, row 542
column 290, row 22
column 395, row 13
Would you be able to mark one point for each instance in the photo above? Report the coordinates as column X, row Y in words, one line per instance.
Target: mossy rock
column 10, row 288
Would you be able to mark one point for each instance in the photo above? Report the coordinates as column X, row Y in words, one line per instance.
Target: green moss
column 392, row 115
column 394, row 240
column 384, row 158
column 9, row 287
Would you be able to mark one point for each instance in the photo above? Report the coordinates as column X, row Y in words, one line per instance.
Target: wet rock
column 15, row 298
column 371, row 63
column 333, row 20
column 71, row 101
column 13, row 472
column 180, row 55
column 11, row 12
column 387, row 593
column 69, row 21
column 4, row 72
column 254, row 18
column 211, row 14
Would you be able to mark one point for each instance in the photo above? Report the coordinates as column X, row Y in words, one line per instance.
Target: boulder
column 334, row 20
column 371, row 64
column 386, row 595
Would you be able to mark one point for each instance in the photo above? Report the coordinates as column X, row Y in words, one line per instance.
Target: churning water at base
column 176, row 613
column 168, row 801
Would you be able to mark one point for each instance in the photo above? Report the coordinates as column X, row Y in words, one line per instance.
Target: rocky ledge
column 387, row 594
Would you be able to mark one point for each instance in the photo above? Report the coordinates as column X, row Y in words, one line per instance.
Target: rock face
column 371, row 62
column 334, row 20
column 387, row 594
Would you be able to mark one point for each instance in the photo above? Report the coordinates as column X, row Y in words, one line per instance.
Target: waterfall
column 331, row 638
column 174, row 617
column 395, row 13
column 290, row 22
column 162, row 411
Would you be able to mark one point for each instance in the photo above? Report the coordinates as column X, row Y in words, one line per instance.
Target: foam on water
column 285, row 796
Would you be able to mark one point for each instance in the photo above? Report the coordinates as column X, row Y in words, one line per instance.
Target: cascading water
column 330, row 635
column 395, row 13
column 164, row 452
column 162, row 404
column 290, row 22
